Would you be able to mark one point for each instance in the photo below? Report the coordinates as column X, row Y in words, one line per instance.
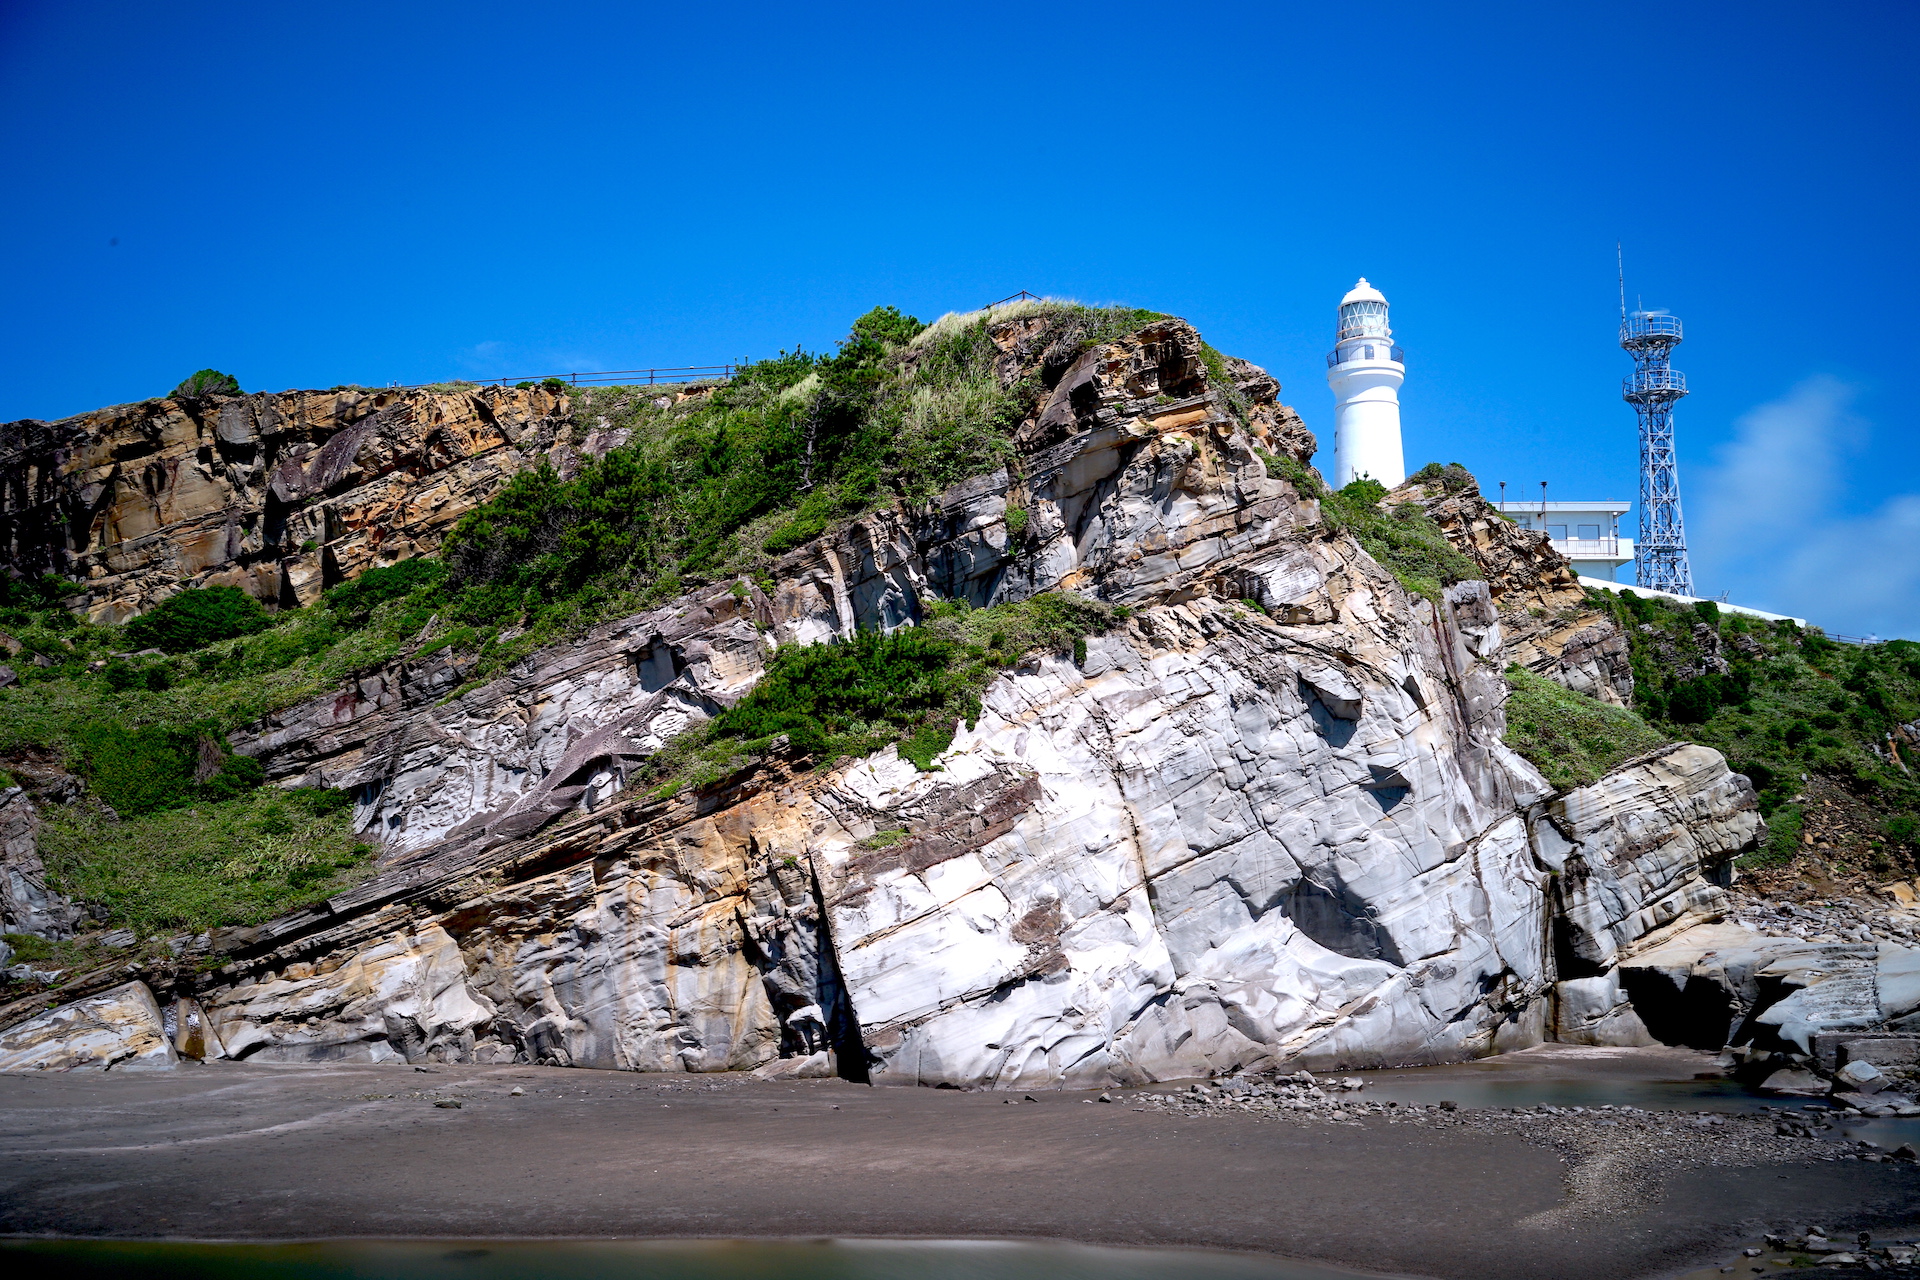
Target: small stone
column 1862, row 1077
column 515, row 1092
column 1446, row 1105
column 451, row 1104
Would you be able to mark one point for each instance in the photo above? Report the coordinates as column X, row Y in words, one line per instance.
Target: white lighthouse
column 1365, row 371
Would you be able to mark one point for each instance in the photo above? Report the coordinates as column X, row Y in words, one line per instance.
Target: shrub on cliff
column 355, row 601
column 1571, row 738
column 207, row 382
column 155, row 767
column 196, row 618
column 1404, row 539
column 1451, row 478
column 235, row 862
column 911, row 687
column 717, row 482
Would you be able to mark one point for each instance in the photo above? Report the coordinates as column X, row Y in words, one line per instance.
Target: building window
column 1589, row 532
column 1558, row 532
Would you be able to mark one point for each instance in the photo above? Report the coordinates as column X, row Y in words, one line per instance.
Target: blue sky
column 312, row 195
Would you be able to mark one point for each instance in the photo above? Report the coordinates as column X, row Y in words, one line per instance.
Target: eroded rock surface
column 1547, row 624
column 116, row 1030
column 279, row 494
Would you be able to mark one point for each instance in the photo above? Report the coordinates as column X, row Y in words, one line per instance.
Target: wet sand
column 229, row 1151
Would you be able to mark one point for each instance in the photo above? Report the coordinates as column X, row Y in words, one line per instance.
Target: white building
column 1365, row 371
column 1587, row 533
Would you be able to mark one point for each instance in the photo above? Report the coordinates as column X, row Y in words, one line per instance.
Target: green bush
column 1783, row 841
column 911, row 687
column 824, row 693
column 1694, row 701
column 1295, row 473
column 1451, row 478
column 357, row 599
column 1404, row 540
column 207, row 382
column 156, row 767
column 198, row 617
column 22, row 597
column 1571, row 738
column 240, row 861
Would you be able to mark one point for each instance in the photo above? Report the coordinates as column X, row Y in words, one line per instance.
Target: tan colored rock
column 1545, row 620
column 280, row 494
column 117, row 1030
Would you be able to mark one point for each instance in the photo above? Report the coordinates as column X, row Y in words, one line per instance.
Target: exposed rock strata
column 1545, row 619
column 120, row 1029
column 1230, row 836
column 278, row 494
column 27, row 904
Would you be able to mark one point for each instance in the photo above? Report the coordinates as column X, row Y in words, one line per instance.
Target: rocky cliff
column 1268, row 817
column 280, row 495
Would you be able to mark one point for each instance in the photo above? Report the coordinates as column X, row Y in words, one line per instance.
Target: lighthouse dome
column 1363, row 292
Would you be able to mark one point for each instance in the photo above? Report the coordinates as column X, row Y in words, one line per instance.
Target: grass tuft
column 1571, row 738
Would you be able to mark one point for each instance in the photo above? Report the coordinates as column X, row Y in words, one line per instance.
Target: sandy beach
column 231, row 1151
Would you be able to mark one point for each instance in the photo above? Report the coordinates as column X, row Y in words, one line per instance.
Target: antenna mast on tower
column 1660, row 557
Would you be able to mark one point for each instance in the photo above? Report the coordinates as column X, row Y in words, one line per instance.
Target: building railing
column 1650, row 382
column 1587, row 548
column 1334, row 359
column 609, row 377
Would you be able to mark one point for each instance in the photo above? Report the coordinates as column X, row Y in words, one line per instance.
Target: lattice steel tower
column 1660, row 556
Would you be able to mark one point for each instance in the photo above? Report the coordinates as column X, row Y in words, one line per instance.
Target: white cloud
column 1765, row 526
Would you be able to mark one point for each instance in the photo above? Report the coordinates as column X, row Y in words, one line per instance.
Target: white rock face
column 1220, row 841
column 1216, row 867
column 117, row 1030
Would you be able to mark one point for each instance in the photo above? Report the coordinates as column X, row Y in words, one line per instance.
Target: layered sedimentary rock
column 278, row 494
column 117, row 1030
column 1546, row 622
column 1268, row 817
column 27, row 904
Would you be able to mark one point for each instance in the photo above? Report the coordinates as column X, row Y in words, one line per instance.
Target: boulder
column 1880, row 1051
column 119, row 1030
column 1860, row 1077
column 1794, row 1081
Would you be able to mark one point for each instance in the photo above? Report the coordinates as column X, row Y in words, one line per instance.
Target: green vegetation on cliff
column 1571, row 738
column 1403, row 538
column 1795, row 712
column 207, row 382
column 911, row 687
column 716, row 484
column 711, row 483
column 188, row 870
